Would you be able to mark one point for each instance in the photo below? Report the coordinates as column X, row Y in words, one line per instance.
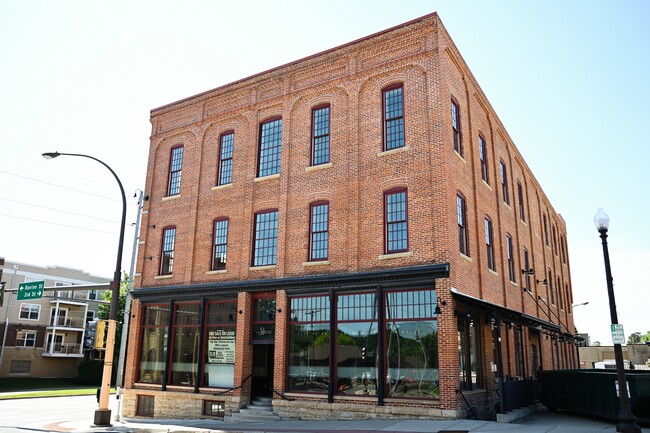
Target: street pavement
column 74, row 415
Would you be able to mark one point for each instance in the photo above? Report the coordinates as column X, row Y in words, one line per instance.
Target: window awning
column 503, row 313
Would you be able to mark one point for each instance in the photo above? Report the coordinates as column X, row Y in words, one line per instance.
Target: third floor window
column 482, row 150
column 455, row 124
column 270, row 144
column 320, row 152
column 175, row 166
column 226, row 144
column 393, row 117
column 504, row 182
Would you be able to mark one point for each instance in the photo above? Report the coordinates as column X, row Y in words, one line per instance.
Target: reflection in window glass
column 412, row 345
column 220, row 354
column 309, row 343
column 468, row 349
column 185, row 344
column 153, row 349
column 357, row 344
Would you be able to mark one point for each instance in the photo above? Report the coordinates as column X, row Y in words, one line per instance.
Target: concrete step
column 246, row 415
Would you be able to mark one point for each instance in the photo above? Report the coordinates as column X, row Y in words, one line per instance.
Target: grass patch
column 13, row 384
column 28, row 387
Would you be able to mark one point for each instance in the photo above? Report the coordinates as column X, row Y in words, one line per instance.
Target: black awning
column 503, row 313
column 412, row 277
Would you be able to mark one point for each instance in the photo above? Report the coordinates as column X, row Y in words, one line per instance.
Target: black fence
column 519, row 393
column 594, row 392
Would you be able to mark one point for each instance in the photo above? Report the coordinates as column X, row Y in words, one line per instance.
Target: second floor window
column 220, row 244
column 463, row 238
column 511, row 259
column 175, row 166
column 504, row 182
column 396, row 224
column 527, row 269
column 265, row 244
column 226, row 144
column 393, row 117
column 320, row 153
column 270, row 145
column 545, row 230
column 549, row 281
column 455, row 124
column 489, row 244
column 319, row 231
column 482, row 151
column 167, row 253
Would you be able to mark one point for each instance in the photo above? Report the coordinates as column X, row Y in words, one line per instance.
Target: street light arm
column 117, row 277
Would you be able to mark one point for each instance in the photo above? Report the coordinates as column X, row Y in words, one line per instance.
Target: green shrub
column 90, row 372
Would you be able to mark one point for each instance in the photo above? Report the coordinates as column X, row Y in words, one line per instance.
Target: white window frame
column 30, row 308
column 27, row 332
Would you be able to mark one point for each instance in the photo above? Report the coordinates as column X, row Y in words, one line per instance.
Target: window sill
column 261, row 268
column 514, row 283
column 218, row 271
column 394, row 151
column 395, row 255
column 269, row 177
column 316, row 263
column 493, row 272
column 318, row 167
column 171, row 197
column 462, row 159
column 487, row 185
column 218, row 187
column 163, row 277
column 468, row 258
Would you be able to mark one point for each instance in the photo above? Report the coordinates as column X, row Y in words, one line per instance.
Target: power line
column 59, row 210
column 63, row 187
column 59, row 224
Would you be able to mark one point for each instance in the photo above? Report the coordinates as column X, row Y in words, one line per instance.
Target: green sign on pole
column 33, row 290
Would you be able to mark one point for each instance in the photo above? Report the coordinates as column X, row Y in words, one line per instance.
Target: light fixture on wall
column 438, row 311
column 542, row 281
column 530, row 271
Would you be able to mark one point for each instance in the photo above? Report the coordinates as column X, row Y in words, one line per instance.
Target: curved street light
column 103, row 413
column 626, row 419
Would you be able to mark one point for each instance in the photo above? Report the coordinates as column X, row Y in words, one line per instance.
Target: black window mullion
column 381, row 350
column 168, row 356
column 332, row 348
column 200, row 364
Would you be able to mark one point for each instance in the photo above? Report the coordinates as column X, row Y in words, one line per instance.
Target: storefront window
column 356, row 344
column 185, row 344
column 153, row 350
column 412, row 345
column 219, row 367
column 309, row 343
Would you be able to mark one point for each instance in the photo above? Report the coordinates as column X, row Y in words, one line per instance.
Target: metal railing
column 519, row 393
column 63, row 349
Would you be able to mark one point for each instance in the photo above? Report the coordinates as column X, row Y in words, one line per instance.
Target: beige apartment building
column 46, row 337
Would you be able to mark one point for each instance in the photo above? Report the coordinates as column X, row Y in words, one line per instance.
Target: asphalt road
column 32, row 414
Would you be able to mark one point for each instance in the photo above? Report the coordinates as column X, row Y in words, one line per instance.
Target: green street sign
column 33, row 290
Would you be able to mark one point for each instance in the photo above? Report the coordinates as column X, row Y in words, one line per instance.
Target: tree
column 635, row 338
column 638, row 338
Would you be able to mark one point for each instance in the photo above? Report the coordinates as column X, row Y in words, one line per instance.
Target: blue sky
column 569, row 80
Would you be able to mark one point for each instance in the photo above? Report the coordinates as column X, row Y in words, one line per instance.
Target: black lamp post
column 103, row 413
column 626, row 419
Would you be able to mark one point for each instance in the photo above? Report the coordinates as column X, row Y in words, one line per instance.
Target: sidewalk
column 540, row 422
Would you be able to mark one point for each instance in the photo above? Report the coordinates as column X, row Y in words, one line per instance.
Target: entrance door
column 263, row 363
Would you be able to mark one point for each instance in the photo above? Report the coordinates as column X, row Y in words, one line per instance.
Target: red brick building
column 354, row 234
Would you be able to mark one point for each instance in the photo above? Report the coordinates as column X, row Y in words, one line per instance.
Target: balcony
column 76, row 323
column 73, row 350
